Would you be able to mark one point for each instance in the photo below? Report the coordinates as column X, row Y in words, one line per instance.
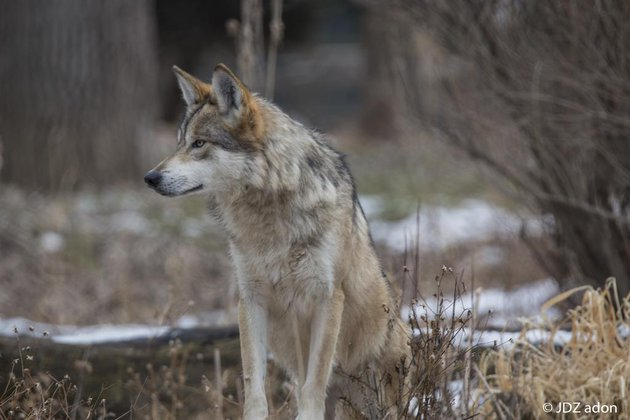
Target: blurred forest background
column 452, row 114
column 490, row 136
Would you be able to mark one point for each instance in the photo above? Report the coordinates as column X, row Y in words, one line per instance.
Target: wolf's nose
column 153, row 178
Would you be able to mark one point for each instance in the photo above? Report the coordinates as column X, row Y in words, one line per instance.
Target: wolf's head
column 221, row 129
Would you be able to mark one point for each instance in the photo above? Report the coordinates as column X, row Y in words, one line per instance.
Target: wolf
column 311, row 288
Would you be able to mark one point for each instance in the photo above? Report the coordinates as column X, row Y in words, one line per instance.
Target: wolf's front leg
column 323, row 343
column 252, row 321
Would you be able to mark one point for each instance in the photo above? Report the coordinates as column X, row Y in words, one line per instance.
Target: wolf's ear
column 193, row 90
column 232, row 96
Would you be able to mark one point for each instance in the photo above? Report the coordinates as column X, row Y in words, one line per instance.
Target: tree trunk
column 78, row 94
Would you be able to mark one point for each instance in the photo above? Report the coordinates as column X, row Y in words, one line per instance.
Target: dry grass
column 39, row 380
column 29, row 394
column 592, row 367
column 438, row 357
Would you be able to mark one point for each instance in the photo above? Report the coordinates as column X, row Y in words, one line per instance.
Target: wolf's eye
column 198, row 143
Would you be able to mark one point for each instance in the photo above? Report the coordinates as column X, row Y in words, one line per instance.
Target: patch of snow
column 95, row 334
column 219, row 317
column 456, row 389
column 413, row 406
column 9, row 326
column 524, row 301
column 506, row 339
column 371, row 205
column 52, row 242
column 624, row 330
column 188, row 321
column 71, row 334
column 109, row 333
column 490, row 255
column 503, row 306
column 440, row 227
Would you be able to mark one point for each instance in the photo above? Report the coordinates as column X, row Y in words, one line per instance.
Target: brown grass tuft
column 592, row 367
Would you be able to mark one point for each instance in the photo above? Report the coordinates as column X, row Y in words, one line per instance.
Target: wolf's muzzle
column 153, row 178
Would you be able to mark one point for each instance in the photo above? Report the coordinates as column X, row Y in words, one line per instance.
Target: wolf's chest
column 288, row 278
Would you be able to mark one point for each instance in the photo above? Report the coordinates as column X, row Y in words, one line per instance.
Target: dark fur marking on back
column 313, row 161
column 344, row 169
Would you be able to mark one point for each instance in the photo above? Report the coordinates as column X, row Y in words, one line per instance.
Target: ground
column 140, row 264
